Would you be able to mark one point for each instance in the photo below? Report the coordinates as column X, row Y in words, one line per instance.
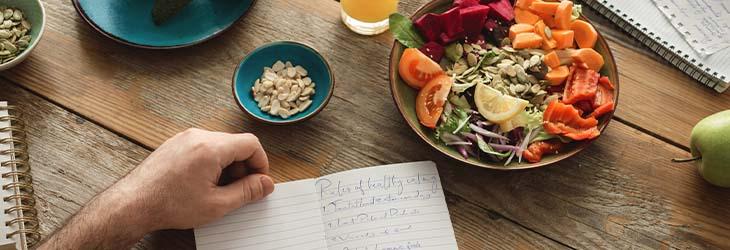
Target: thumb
column 250, row 188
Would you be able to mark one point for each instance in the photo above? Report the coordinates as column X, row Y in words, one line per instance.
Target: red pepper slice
column 537, row 149
column 602, row 110
column 564, row 119
column 606, row 82
column 582, row 84
column 603, row 102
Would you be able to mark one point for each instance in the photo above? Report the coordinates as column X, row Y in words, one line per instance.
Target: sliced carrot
column 544, row 8
column 548, row 19
column 592, row 59
column 547, row 43
column 527, row 40
column 563, row 15
column 551, row 59
column 564, row 38
column 525, row 16
column 519, row 28
column 524, row 4
column 585, row 35
column 557, row 76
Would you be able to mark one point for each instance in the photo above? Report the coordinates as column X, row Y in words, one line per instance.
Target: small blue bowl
column 297, row 53
column 130, row 21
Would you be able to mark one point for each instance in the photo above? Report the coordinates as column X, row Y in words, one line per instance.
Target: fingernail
column 268, row 184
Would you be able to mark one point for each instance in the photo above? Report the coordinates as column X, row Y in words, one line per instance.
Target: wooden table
column 96, row 108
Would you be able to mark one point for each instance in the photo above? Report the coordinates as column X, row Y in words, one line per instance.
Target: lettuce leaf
column 455, row 123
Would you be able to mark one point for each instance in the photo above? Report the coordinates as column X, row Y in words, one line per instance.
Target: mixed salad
column 503, row 81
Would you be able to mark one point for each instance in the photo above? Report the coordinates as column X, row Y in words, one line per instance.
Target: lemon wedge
column 495, row 106
column 520, row 120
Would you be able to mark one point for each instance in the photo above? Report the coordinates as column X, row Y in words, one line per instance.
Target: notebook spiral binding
column 23, row 213
column 663, row 48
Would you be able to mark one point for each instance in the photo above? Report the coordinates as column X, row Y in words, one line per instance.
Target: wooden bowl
column 405, row 97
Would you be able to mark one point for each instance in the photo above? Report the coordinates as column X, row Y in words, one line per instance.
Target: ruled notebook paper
column 289, row 218
column 398, row 206
column 643, row 20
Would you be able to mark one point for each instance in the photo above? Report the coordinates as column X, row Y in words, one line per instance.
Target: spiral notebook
column 397, row 206
column 643, row 20
column 20, row 227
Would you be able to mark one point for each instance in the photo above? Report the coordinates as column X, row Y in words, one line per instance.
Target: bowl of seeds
column 283, row 83
column 21, row 27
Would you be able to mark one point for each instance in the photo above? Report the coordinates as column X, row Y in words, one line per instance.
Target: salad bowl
column 405, row 99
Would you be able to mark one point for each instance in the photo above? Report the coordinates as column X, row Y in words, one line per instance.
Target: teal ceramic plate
column 130, row 21
column 253, row 65
column 405, row 99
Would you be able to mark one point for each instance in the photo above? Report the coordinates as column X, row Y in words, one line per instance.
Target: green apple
column 710, row 147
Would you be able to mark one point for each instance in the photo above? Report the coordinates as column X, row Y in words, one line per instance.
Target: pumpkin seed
column 471, row 59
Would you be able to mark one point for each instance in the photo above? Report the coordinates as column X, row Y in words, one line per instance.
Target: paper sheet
column 5, row 242
column 398, row 206
column 289, row 218
column 704, row 24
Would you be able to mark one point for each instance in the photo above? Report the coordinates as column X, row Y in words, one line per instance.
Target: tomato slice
column 564, row 119
column 431, row 99
column 581, row 85
column 417, row 69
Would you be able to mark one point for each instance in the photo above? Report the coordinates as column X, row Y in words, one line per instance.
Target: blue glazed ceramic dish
column 253, row 65
column 130, row 21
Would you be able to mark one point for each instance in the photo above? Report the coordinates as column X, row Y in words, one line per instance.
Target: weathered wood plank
column 74, row 159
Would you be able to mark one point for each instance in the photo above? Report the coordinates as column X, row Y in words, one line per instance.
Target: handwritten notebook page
column 397, row 206
column 289, row 218
column 704, row 24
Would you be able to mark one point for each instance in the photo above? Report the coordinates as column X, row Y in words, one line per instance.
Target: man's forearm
column 107, row 222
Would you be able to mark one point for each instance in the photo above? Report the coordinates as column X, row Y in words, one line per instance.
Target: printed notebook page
column 289, row 218
column 397, row 206
column 5, row 243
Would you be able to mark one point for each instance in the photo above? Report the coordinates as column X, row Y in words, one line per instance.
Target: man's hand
column 176, row 187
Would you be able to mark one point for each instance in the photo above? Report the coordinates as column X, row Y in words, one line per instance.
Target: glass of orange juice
column 368, row 17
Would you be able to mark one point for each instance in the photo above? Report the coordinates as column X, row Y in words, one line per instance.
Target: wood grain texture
column 620, row 193
column 74, row 159
column 115, row 84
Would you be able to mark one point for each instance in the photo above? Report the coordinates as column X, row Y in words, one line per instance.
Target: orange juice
column 368, row 17
column 369, row 11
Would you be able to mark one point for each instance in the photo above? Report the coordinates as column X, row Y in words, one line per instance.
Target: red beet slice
column 491, row 24
column 433, row 50
column 473, row 18
column 503, row 9
column 465, row 3
column 429, row 26
column 451, row 24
